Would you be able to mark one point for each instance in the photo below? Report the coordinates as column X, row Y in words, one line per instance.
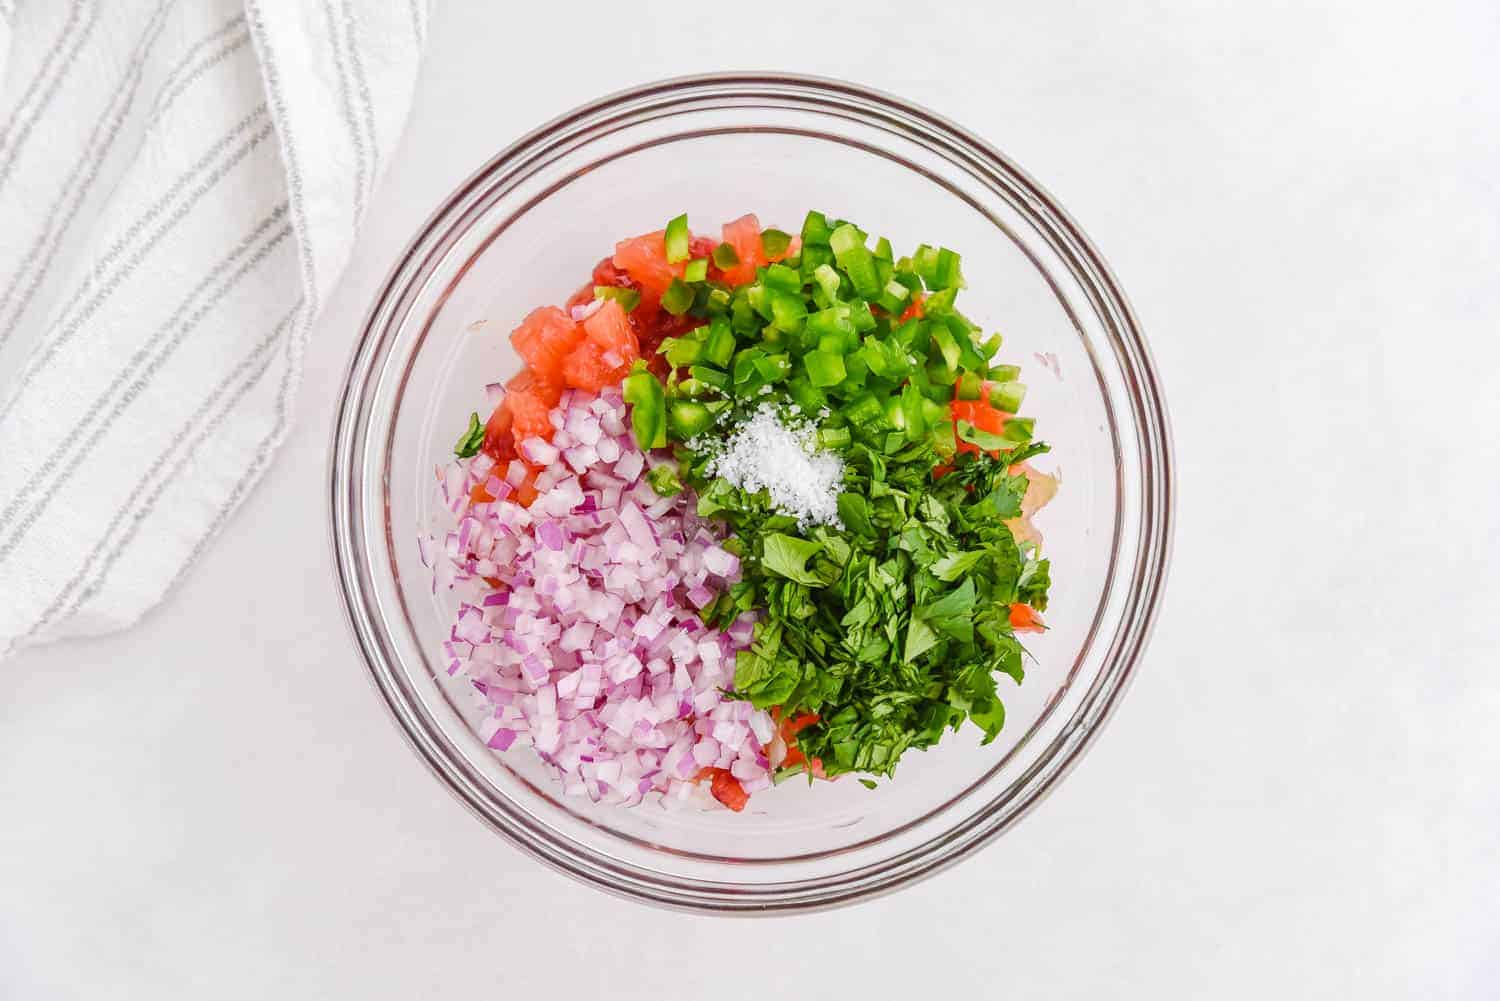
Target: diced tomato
column 545, row 388
column 726, row 788
column 743, row 234
column 498, row 441
column 529, row 416
column 479, row 495
column 591, row 368
column 789, row 728
column 1023, row 619
column 544, row 339
column 795, row 757
column 606, row 273
column 526, row 492
column 644, row 259
column 702, row 246
column 794, row 725
column 610, row 329
column 663, row 326
column 604, row 356
column 915, row 309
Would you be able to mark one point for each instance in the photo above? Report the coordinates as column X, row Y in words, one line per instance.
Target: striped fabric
column 180, row 185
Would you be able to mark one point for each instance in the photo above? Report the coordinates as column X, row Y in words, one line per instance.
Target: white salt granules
column 765, row 454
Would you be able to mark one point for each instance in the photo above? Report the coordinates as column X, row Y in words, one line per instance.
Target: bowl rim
column 1153, row 435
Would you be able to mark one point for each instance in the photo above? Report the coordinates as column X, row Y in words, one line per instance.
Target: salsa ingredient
column 877, row 543
column 472, row 439
column 586, row 642
column 756, row 506
column 784, row 460
column 892, row 628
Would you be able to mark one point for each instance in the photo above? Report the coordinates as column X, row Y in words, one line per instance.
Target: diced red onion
column 593, row 651
column 541, row 452
column 583, row 311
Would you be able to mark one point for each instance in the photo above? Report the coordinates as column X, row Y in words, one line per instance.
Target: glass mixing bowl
column 525, row 230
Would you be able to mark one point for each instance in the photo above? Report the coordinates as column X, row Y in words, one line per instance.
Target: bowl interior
column 526, row 232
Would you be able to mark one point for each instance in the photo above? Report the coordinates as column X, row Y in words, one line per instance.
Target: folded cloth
column 180, row 185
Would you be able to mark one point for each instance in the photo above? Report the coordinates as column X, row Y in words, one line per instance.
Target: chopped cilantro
column 894, row 626
column 468, row 445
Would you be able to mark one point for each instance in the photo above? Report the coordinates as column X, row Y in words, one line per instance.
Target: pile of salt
column 765, row 454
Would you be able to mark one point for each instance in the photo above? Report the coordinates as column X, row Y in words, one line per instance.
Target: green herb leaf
column 787, row 557
column 920, row 637
column 468, row 445
column 854, row 512
column 955, row 565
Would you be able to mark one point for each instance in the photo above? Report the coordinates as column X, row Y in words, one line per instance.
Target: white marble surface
column 1297, row 800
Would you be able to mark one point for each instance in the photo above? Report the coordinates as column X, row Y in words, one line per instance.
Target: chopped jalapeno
column 677, row 239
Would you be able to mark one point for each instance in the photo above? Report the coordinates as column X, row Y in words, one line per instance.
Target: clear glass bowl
column 525, row 230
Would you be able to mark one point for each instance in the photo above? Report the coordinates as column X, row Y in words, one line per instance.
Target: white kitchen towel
column 180, row 185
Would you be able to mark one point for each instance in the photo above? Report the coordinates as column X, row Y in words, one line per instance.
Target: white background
column 1300, row 798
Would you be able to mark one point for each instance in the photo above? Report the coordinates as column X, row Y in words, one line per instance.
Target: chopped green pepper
column 677, row 239
column 664, row 480
column 725, row 256
column 648, row 409
column 855, row 258
column 813, row 258
column 628, row 298
column 678, row 297
column 688, row 419
column 924, row 262
column 860, row 315
column 710, row 376
column 1007, row 396
column 783, row 279
column 834, row 437
column 824, row 368
column 834, row 319
column 828, row 281
column 807, row 396
column 681, row 351
column 815, row 230
column 774, row 242
column 788, row 312
column 719, row 348
column 863, row 410
column 947, row 274
column 893, row 297
column 948, row 348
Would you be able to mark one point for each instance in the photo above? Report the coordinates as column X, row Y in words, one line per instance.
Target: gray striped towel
column 180, row 185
